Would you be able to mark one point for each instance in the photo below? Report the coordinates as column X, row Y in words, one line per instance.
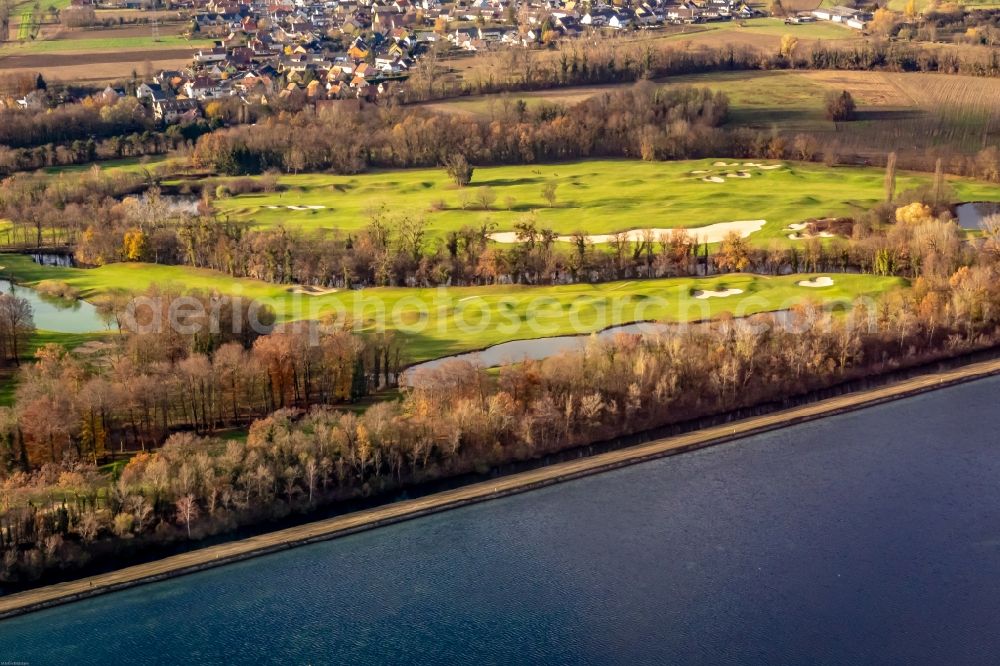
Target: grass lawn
column 789, row 100
column 761, row 31
column 596, row 196
column 124, row 165
column 443, row 321
column 103, row 44
column 777, row 27
column 894, row 109
column 8, row 376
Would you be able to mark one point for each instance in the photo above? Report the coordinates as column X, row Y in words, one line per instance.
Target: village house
column 176, row 110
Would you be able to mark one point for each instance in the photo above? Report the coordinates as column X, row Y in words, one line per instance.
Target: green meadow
column 124, row 165
column 438, row 322
column 595, row 196
column 103, row 44
column 9, row 377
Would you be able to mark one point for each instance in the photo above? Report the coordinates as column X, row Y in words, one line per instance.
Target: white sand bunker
column 712, row 233
column 310, row 290
column 296, row 207
column 698, row 171
column 816, row 282
column 708, row 293
column 801, row 236
column 797, row 226
column 738, row 174
column 769, row 166
column 725, row 164
column 714, row 179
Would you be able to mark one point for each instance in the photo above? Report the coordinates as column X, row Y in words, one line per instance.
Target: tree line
column 578, row 63
column 459, row 418
column 223, row 364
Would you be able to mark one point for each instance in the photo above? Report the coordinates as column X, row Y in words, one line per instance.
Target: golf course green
column 442, row 321
column 593, row 196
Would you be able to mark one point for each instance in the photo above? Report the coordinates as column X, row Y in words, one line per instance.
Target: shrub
column 840, row 106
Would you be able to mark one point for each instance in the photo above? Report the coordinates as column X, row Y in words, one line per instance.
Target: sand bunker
column 296, row 207
column 714, row 179
column 769, row 166
column 738, row 174
column 699, row 171
column 816, row 282
column 309, row 290
column 712, row 233
column 802, row 236
column 708, row 293
column 726, row 164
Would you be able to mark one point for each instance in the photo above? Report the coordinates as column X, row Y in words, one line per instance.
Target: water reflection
column 970, row 215
column 57, row 314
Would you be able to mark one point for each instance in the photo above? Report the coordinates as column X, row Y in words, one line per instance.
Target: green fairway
column 443, row 321
column 595, row 196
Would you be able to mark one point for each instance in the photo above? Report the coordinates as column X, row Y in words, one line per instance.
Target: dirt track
column 330, row 528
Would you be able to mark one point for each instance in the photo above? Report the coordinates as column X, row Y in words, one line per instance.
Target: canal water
column 871, row 537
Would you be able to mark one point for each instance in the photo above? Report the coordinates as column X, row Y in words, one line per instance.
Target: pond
column 55, row 314
column 53, row 259
column 971, row 214
column 540, row 348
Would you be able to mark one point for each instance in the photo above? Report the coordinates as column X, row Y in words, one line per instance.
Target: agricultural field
column 95, row 68
column 596, row 196
column 765, row 33
column 104, row 44
column 98, row 55
column 488, row 106
column 896, row 111
column 438, row 322
column 922, row 5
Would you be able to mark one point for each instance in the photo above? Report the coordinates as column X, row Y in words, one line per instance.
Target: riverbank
column 25, row 602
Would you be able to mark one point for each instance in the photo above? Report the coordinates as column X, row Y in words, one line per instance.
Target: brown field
column 94, row 67
column 131, row 14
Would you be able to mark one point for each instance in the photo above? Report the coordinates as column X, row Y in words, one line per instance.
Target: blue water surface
column 872, row 537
